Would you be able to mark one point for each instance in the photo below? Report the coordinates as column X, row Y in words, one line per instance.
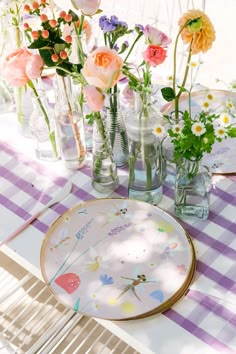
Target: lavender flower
column 118, row 229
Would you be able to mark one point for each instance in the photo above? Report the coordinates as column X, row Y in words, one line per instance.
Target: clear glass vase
column 41, row 123
column 104, row 171
column 145, row 173
column 117, row 129
column 69, row 123
column 192, row 186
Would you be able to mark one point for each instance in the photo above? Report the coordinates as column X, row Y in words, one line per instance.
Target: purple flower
column 116, row 47
column 139, row 28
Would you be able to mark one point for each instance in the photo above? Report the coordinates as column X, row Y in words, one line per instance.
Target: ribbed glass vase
column 117, row 129
column 104, row 171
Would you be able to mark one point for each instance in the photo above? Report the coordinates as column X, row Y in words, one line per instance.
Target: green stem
column 51, row 134
column 175, row 68
column 132, row 47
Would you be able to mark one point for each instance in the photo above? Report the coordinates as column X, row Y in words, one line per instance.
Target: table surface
column 203, row 321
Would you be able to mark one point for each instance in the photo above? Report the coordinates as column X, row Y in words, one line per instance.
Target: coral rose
column 21, row 66
column 94, row 98
column 154, row 55
column 88, row 7
column 102, row 68
column 202, row 38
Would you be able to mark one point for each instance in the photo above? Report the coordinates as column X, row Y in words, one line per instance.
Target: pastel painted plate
column 222, row 157
column 117, row 259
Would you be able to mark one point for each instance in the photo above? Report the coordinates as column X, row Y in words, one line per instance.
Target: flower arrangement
column 21, row 68
column 192, row 136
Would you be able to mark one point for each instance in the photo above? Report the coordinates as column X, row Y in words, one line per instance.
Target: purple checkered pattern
column 27, row 183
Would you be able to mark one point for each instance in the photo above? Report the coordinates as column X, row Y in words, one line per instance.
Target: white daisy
column 229, row 104
column 177, row 129
column 220, row 132
column 206, row 106
column 225, row 119
column 198, row 129
column 209, row 96
column 159, row 130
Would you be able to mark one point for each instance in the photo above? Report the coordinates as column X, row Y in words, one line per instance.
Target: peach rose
column 102, row 68
column 88, row 7
column 21, row 66
column 94, row 98
column 154, row 55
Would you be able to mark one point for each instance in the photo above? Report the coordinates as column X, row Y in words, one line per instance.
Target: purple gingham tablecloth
column 208, row 310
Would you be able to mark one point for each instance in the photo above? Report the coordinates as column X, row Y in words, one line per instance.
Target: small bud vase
column 69, row 123
column 145, row 181
column 192, row 186
column 104, row 171
column 41, row 123
column 117, row 129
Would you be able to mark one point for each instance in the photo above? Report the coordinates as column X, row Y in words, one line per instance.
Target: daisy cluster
column 194, row 136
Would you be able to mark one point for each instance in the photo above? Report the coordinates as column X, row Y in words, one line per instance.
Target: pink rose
column 154, row 55
column 34, row 66
column 94, row 98
column 21, row 66
column 88, row 7
column 102, row 68
column 155, row 36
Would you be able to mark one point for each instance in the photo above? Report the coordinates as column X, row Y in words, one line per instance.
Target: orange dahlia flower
column 202, row 36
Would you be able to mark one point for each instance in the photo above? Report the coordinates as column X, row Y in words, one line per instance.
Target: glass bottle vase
column 69, row 123
column 192, row 186
column 117, row 129
column 41, row 123
column 145, row 181
column 104, row 171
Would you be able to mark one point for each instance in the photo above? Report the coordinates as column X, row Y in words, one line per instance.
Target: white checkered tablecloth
column 208, row 311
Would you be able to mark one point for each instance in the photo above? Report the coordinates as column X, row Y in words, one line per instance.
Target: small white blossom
column 229, row 104
column 220, row 132
column 177, row 129
column 225, row 119
column 159, row 130
column 198, row 129
column 206, row 106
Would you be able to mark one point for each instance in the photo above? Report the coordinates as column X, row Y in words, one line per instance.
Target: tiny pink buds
column 68, row 39
column 62, row 14
column 43, row 18
column 54, row 58
column 63, row 54
column 53, row 23
column 35, row 35
column 35, row 5
column 68, row 18
column 45, row 34
column 26, row 8
column 26, row 26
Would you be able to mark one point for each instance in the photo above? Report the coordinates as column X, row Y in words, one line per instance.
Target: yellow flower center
column 198, row 128
column 209, row 96
column 221, row 132
column 226, row 119
column 177, row 129
column 206, row 104
column 158, row 130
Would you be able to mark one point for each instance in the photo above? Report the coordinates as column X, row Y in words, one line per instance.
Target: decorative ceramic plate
column 222, row 158
column 117, row 259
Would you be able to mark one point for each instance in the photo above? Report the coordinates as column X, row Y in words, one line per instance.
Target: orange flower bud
column 45, row 34
column 26, row 8
column 54, row 58
column 35, row 5
column 53, row 23
column 62, row 14
column 68, row 39
column 43, row 2
column 43, row 18
column 63, row 54
column 35, row 35
column 68, row 18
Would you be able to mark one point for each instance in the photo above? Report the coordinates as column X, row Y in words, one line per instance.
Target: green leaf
column 232, row 133
column 59, row 47
column 75, row 17
column 39, row 43
column 46, row 55
column 168, row 93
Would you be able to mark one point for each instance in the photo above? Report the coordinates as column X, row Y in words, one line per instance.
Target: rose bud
column 45, row 34
column 53, row 23
column 68, row 39
column 54, row 58
column 63, row 54
column 35, row 35
column 43, row 18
